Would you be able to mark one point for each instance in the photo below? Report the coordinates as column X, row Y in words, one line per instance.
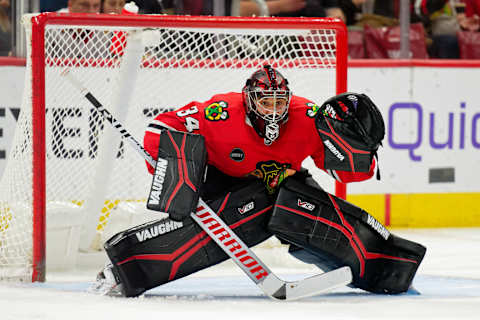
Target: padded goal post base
column 335, row 233
column 161, row 251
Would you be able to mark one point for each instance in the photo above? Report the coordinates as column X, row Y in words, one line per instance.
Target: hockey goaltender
column 253, row 144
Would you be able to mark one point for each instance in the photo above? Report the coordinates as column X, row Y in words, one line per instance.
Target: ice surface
column 448, row 283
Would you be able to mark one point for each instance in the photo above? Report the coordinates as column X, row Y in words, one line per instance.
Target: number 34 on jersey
column 190, row 122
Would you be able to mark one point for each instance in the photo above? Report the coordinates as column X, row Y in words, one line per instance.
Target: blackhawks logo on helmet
column 216, row 111
column 312, row 109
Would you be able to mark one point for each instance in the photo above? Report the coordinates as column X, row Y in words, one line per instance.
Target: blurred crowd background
column 435, row 29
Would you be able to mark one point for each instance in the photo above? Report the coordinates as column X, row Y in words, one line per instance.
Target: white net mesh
column 92, row 178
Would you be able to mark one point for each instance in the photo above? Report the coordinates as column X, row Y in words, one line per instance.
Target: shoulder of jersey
column 221, row 106
column 302, row 106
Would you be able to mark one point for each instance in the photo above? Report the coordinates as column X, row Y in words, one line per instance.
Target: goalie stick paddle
column 226, row 239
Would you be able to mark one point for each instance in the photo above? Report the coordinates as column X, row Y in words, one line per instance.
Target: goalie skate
column 106, row 283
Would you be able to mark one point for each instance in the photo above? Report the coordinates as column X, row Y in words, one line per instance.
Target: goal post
column 70, row 182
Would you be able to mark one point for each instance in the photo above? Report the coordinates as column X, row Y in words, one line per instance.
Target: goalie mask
column 266, row 97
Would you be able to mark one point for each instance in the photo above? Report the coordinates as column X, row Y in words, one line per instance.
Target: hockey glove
column 352, row 129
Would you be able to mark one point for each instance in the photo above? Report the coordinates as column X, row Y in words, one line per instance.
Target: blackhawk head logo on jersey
column 216, row 111
column 312, row 109
column 272, row 173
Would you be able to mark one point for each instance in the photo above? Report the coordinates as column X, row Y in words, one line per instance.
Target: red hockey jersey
column 234, row 147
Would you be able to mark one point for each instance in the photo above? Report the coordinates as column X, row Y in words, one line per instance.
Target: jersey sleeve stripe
column 157, row 126
column 154, row 129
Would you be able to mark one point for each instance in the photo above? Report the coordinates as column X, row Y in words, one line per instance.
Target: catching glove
column 352, row 129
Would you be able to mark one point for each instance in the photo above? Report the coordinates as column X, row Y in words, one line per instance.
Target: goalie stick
column 232, row 245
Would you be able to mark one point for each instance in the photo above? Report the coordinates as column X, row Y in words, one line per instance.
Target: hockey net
column 70, row 182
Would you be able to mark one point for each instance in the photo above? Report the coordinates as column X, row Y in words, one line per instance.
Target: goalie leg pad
column 342, row 234
column 152, row 254
column 178, row 175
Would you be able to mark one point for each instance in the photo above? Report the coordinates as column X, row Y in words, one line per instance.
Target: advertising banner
column 430, row 156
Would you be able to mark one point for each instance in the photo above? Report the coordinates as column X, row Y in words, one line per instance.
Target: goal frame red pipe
column 38, row 85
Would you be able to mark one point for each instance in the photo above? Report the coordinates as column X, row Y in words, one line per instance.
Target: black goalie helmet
column 266, row 97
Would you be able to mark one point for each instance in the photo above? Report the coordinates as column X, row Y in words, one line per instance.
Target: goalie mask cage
column 70, row 182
